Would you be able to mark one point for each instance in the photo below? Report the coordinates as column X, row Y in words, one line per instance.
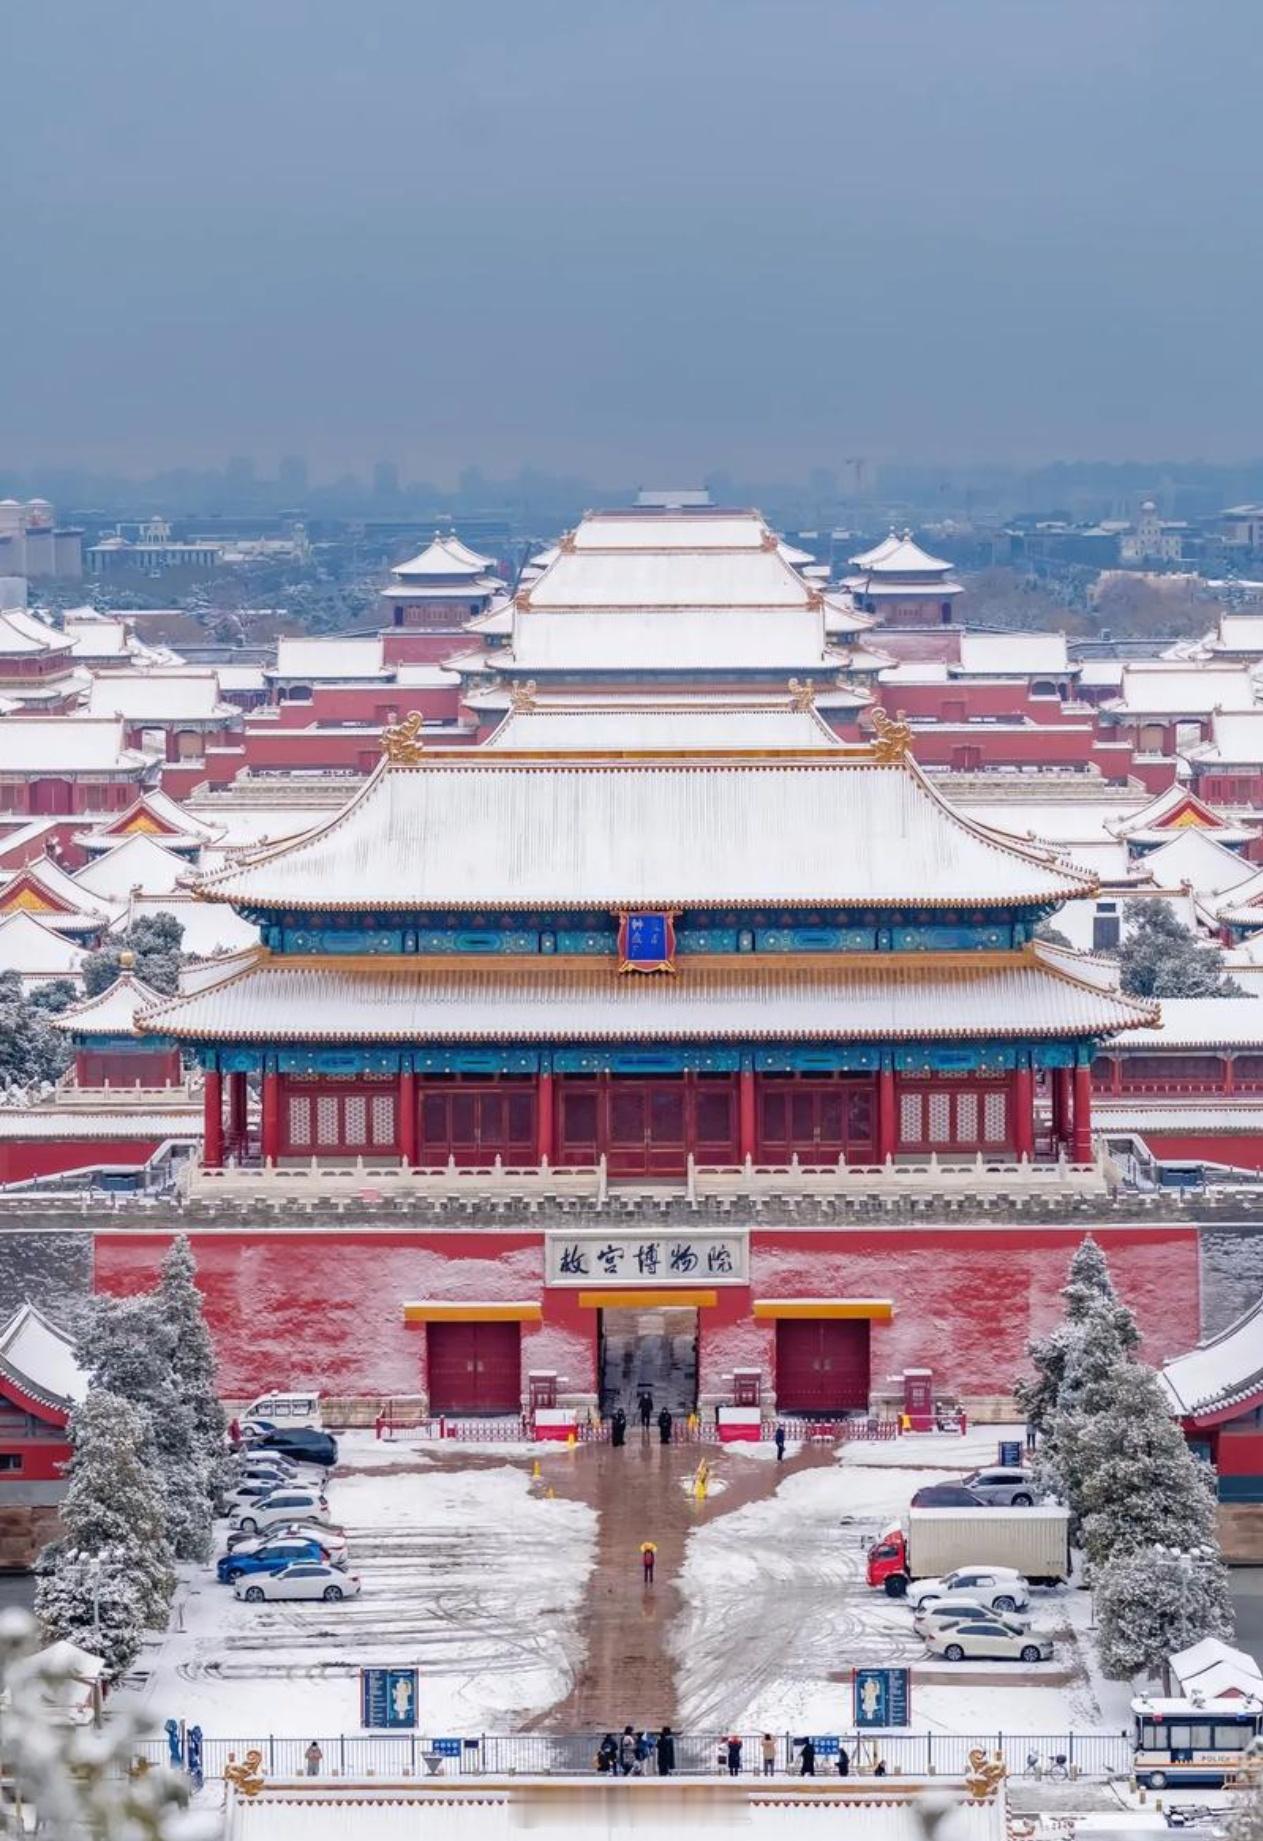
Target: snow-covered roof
column 35, row 951
column 69, row 1124
column 154, row 814
column 1158, row 688
column 443, row 556
column 1173, row 809
column 899, row 555
column 1221, row 1373
column 1238, row 633
column 425, row 677
column 40, row 1360
column 158, row 697
column 690, row 528
column 111, row 1012
column 136, row 863
column 667, row 728
column 210, row 927
column 1194, row 857
column 97, row 637
column 1018, row 654
column 1146, row 1114
column 1097, row 672
column 66, row 744
column 1203, row 1022
column 1063, row 821
column 1236, row 739
column 241, row 677
column 860, row 998
column 43, row 888
column 25, row 635
column 335, row 660
column 470, row 829
column 670, row 639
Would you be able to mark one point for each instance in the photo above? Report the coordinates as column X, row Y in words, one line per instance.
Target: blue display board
column 881, row 1697
column 1010, row 1457
column 388, row 1698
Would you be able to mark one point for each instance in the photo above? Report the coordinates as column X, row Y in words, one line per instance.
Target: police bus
column 1194, row 1741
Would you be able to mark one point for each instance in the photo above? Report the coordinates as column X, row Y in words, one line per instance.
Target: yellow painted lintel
column 440, row 1311
column 663, row 1298
column 877, row 1310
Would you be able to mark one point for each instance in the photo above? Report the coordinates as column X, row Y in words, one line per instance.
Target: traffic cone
column 535, row 1471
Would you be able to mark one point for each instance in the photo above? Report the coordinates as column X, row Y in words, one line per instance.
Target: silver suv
column 1002, row 1489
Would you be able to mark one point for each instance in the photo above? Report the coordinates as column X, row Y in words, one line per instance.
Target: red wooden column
column 212, row 1119
column 407, row 1104
column 887, row 1125
column 747, row 1112
column 545, row 1135
column 1023, row 1107
column 237, row 1114
column 1061, row 1105
column 271, row 1113
column 1081, row 1148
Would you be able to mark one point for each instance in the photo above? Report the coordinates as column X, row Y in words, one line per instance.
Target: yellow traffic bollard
column 572, row 1442
column 535, row 1471
column 549, row 1493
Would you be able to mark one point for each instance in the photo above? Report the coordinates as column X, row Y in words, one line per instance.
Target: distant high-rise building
column 240, row 471
column 33, row 544
column 292, row 476
column 385, row 480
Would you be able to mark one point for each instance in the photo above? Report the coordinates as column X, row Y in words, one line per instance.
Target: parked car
column 272, row 1555
column 301, row 1444
column 946, row 1496
column 962, row 1608
column 308, row 1579
column 1000, row 1588
column 331, row 1537
column 254, row 1489
column 268, row 1464
column 294, row 1409
column 282, row 1506
column 1002, row 1489
column 990, row 1641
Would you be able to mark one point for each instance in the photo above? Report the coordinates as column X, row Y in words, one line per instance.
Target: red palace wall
column 1244, row 1149
column 327, row 1308
column 21, row 1158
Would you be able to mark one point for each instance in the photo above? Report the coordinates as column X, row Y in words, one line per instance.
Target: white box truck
column 930, row 1542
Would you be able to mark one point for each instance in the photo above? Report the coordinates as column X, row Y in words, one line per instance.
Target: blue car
column 272, row 1557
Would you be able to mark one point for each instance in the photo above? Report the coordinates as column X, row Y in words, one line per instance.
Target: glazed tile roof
column 670, row 728
column 1222, row 1373
column 870, row 997
column 472, row 830
column 637, row 639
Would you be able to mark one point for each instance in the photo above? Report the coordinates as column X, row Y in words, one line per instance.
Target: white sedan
column 1000, row 1588
column 305, row 1579
column 989, row 1641
column 282, row 1506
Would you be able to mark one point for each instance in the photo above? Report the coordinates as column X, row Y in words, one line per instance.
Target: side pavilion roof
column 473, row 829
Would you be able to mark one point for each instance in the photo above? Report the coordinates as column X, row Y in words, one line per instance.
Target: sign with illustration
column 688, row 1258
column 881, row 1697
column 388, row 1698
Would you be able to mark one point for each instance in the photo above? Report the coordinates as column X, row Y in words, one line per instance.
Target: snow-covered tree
column 128, row 1345
column 1153, row 1601
column 1247, row 1823
column 76, row 1778
column 1139, row 1484
column 1088, row 1283
column 1094, row 1356
column 95, row 1601
column 155, row 941
column 114, row 1503
column 193, row 1355
column 1161, row 957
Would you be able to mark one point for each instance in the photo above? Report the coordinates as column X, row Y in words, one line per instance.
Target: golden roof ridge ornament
column 893, row 736
column 802, row 694
column 401, row 741
column 522, row 696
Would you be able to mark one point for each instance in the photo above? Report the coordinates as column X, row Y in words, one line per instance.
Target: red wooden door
column 817, row 1120
column 475, row 1123
column 578, row 1121
column 474, row 1367
column 647, row 1133
column 822, row 1364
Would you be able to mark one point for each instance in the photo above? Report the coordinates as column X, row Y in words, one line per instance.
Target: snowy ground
column 467, row 1574
column 777, row 1611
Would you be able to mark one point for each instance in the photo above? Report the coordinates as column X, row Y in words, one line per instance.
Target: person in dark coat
column 618, row 1427
column 664, row 1426
column 627, row 1751
column 644, row 1406
column 808, row 1759
column 778, row 1439
column 879, row 1769
column 844, row 1761
column 734, row 1756
column 666, row 1752
column 607, row 1754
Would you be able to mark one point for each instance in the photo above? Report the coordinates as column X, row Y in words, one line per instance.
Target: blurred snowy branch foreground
column 67, row 1776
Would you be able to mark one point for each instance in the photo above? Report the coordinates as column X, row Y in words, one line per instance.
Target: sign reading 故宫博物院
column 684, row 1258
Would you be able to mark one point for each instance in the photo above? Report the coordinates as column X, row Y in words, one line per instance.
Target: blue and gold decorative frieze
column 950, row 939
column 804, row 1058
column 475, row 940
column 646, row 1060
column 815, row 939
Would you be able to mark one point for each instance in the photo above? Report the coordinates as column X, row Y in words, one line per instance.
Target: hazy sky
column 636, row 239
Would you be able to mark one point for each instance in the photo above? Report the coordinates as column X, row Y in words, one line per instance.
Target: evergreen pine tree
column 96, row 1602
column 1139, row 1484
column 1153, row 1601
column 1094, row 1358
column 194, row 1356
column 115, row 1502
column 1088, row 1283
column 1161, row 957
column 1247, row 1823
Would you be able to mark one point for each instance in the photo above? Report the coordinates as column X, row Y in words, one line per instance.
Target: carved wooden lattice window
column 326, row 1121
column 910, row 1118
column 940, row 1118
column 299, row 1121
column 383, row 1118
column 995, row 1118
column 967, row 1118
column 356, row 1119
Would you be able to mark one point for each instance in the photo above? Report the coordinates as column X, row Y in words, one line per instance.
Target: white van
column 285, row 1411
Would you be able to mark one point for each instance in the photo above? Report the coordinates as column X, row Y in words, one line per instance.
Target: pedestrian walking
column 314, row 1757
column 664, row 1426
column 644, row 1751
column 627, row 1751
column 607, row 1755
column 644, row 1407
column 844, row 1761
column 768, row 1748
column 666, row 1752
column 778, row 1439
column 734, row 1756
column 618, row 1427
column 647, row 1553
column 808, row 1759
column 234, row 1433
